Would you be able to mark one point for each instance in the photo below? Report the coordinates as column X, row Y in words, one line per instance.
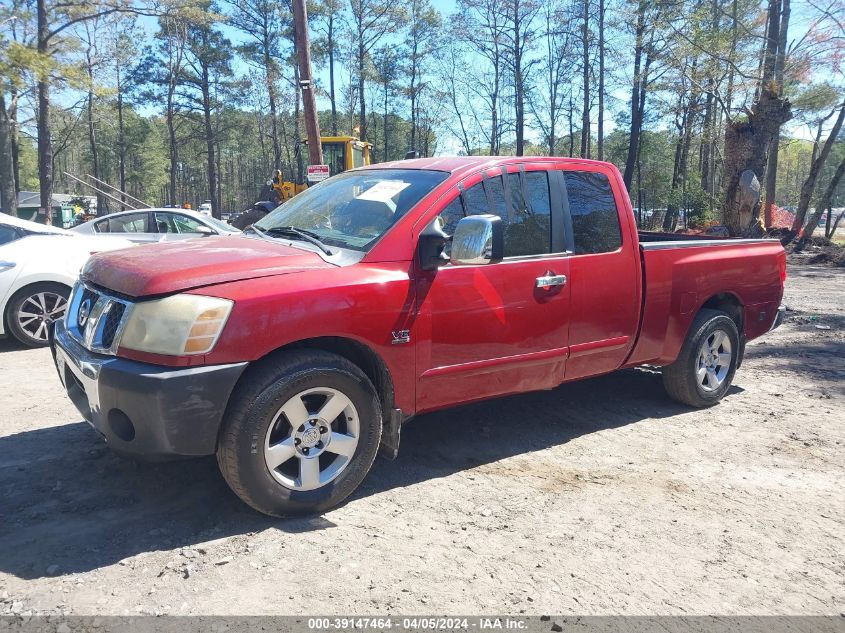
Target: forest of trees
column 176, row 101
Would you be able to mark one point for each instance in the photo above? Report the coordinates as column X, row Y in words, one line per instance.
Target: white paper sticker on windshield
column 383, row 191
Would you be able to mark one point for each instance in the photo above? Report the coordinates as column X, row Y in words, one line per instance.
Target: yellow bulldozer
column 340, row 154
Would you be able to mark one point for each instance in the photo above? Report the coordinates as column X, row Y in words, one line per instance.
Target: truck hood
column 169, row 267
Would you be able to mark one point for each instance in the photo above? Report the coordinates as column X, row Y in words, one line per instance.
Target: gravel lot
column 600, row 497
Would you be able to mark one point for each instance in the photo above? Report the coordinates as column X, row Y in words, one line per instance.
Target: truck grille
column 113, row 321
column 96, row 319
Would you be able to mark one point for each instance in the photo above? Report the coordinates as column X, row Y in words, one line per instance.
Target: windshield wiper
column 308, row 236
column 259, row 232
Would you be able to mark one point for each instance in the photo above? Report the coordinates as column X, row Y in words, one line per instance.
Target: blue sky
column 617, row 98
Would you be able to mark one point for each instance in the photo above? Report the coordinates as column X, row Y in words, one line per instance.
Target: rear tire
column 301, row 433
column 705, row 367
column 32, row 310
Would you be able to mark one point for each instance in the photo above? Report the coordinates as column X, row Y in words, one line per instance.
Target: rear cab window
column 592, row 206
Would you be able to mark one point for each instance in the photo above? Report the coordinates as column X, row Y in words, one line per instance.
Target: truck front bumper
column 141, row 409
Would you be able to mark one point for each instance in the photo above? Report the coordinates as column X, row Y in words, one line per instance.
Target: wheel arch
column 356, row 352
column 730, row 304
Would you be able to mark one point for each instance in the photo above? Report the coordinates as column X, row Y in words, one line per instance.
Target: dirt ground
column 601, row 497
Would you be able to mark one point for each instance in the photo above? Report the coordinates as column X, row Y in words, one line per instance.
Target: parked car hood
column 169, row 267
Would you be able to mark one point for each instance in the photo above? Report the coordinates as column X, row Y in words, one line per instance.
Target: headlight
column 177, row 325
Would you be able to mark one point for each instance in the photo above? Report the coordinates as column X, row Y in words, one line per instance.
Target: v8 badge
column 400, row 336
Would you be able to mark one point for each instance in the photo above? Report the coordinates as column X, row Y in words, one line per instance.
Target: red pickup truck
column 296, row 351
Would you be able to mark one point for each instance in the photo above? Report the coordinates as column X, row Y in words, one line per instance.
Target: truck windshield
column 353, row 210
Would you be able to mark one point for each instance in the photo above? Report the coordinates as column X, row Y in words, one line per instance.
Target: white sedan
column 156, row 225
column 38, row 266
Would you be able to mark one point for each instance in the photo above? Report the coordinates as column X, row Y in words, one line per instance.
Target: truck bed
column 683, row 273
column 657, row 239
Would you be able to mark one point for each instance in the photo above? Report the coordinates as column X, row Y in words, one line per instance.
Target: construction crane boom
column 123, row 193
column 100, row 191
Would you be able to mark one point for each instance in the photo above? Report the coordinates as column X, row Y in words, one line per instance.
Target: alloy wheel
column 714, row 361
column 312, row 438
column 38, row 311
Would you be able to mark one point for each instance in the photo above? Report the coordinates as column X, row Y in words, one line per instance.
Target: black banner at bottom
column 432, row 623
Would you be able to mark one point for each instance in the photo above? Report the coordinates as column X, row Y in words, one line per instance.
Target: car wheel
column 300, row 433
column 705, row 367
column 32, row 311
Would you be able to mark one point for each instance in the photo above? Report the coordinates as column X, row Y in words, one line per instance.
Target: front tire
column 705, row 367
column 33, row 309
column 301, row 433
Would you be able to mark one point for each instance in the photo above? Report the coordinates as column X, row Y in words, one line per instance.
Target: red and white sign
column 316, row 173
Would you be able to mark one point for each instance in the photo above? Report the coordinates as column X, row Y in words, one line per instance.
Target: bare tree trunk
column 174, row 151
column 707, row 139
column 412, row 94
column 554, row 86
column 770, row 191
column 102, row 208
column 519, row 93
column 585, row 61
column 689, row 113
column 669, row 220
column 8, row 194
column 270, row 78
column 729, row 93
column 494, row 111
column 211, row 161
column 779, row 66
column 640, row 196
column 386, row 97
column 823, row 204
column 832, row 225
column 708, row 135
column 362, row 119
column 218, row 155
column 331, row 72
column 15, row 141
column 45, row 142
column 121, row 140
column 636, row 97
column 286, row 141
column 816, row 167
column 600, row 131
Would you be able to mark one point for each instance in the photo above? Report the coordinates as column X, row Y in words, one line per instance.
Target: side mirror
column 205, row 231
column 432, row 241
column 478, row 239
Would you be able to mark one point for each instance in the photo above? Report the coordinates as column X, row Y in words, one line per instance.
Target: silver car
column 156, row 225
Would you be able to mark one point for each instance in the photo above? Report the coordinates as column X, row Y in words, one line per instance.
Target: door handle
column 4, row 266
column 549, row 280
